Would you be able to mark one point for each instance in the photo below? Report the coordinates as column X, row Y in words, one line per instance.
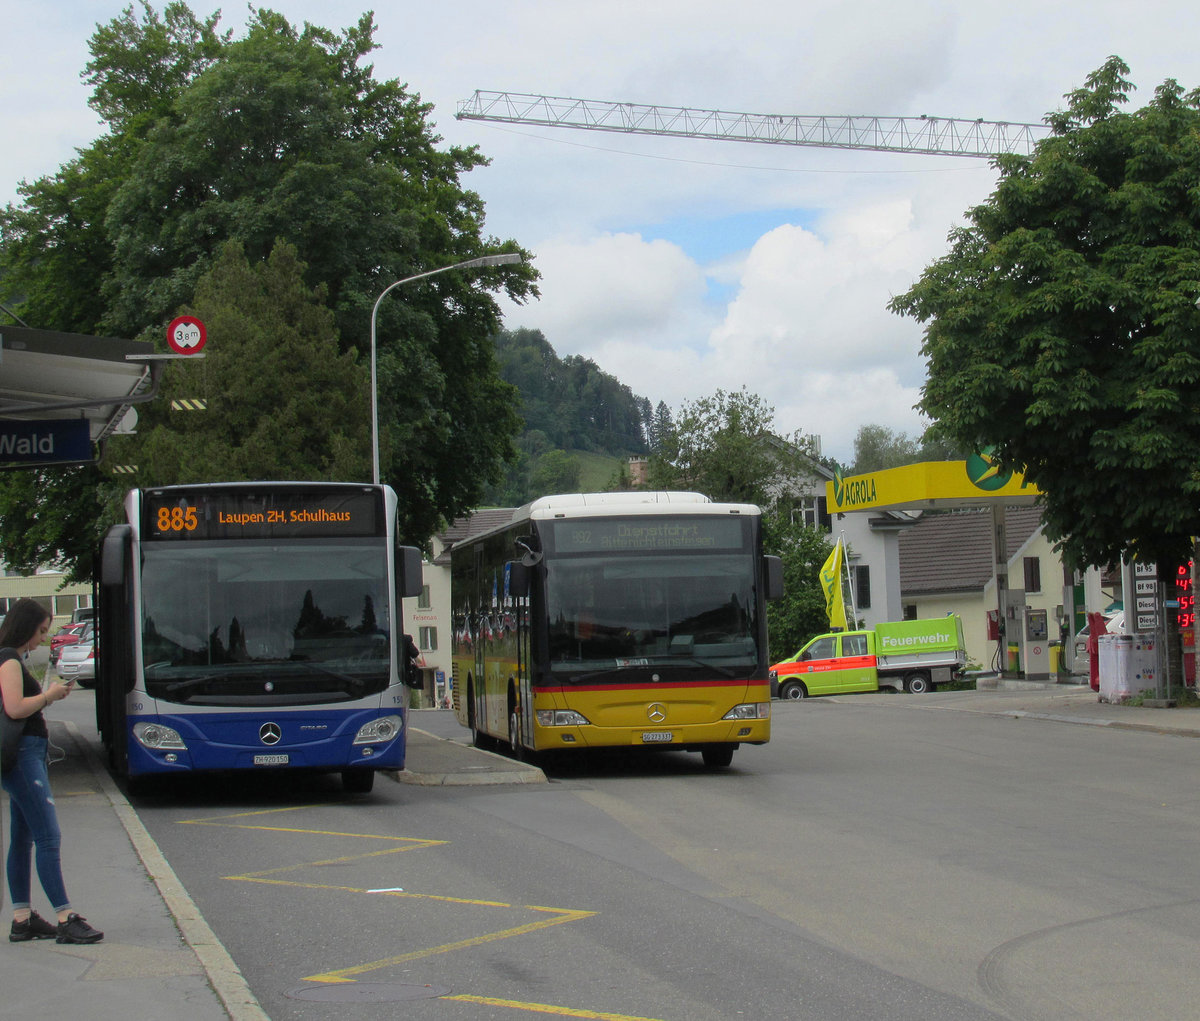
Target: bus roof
column 641, row 502
column 572, row 505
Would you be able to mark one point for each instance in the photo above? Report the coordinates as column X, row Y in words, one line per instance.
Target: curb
column 223, row 975
column 513, row 772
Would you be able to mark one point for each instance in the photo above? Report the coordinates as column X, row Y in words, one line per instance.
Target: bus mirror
column 114, row 553
column 518, row 579
column 408, row 571
column 773, row 572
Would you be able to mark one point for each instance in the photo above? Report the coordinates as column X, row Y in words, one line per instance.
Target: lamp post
column 505, row 259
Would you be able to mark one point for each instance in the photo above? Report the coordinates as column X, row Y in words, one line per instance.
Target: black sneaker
column 76, row 930
column 34, row 927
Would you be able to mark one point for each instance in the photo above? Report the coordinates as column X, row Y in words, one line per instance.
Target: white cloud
column 796, row 313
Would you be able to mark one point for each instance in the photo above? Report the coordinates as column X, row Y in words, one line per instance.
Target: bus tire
column 358, row 781
column 514, row 730
column 717, row 756
column 793, row 690
column 477, row 738
column 918, row 683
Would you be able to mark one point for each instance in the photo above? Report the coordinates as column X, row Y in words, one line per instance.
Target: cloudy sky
column 682, row 266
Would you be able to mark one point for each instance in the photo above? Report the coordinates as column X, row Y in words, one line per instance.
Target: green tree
column 877, row 447
column 1061, row 329
column 284, row 133
column 724, row 446
column 800, row 614
column 283, row 401
column 555, row 472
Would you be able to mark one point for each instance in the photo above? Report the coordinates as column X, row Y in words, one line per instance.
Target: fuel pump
column 1035, row 644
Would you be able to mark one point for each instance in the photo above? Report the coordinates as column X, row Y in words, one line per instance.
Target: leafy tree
column 1061, row 328
column 284, row 133
column 556, row 472
column 877, row 447
column 724, row 446
column 800, row 614
column 283, row 401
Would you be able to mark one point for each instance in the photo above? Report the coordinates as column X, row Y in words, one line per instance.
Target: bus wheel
column 717, row 756
column 477, row 738
column 793, row 690
column 514, row 734
column 917, row 683
column 358, row 781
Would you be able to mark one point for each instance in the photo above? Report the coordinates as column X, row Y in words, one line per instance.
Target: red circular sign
column 186, row 335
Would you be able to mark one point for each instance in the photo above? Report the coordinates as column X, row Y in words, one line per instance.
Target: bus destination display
column 605, row 535
column 268, row 514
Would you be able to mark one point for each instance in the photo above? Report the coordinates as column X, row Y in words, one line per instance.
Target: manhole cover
column 367, row 992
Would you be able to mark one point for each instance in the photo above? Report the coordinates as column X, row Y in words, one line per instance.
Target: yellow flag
column 831, row 585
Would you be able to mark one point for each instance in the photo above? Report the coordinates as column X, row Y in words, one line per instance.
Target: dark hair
column 21, row 623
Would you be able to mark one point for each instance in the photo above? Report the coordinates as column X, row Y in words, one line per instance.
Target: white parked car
column 1114, row 625
column 77, row 662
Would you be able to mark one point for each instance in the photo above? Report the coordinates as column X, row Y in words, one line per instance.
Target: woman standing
column 31, row 804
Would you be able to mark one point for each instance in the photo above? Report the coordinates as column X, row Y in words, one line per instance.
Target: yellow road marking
column 265, row 876
column 545, row 1008
column 348, row 974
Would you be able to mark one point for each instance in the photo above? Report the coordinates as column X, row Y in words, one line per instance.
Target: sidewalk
column 144, row 968
column 1062, row 703
column 159, row 957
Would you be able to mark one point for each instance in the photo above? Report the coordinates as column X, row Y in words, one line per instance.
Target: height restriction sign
column 186, row 335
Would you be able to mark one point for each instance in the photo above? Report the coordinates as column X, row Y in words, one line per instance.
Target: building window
column 427, row 637
column 910, row 611
column 1033, row 574
column 862, row 587
column 423, row 598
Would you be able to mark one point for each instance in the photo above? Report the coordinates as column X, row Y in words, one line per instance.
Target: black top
column 35, row 725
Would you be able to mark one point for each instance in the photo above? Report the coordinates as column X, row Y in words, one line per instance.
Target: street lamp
column 505, row 259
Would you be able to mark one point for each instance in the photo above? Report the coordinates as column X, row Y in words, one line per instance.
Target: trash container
column 1116, row 677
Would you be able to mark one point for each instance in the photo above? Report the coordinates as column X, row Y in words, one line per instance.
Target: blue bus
column 255, row 625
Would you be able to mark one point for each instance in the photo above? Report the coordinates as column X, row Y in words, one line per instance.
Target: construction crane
column 935, row 136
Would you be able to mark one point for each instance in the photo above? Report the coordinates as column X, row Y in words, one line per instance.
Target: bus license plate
column 652, row 736
column 270, row 760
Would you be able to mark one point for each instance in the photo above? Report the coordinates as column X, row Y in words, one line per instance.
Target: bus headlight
column 158, row 737
column 561, row 718
column 749, row 711
column 377, row 731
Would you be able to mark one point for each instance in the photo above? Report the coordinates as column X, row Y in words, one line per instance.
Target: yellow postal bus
column 615, row 620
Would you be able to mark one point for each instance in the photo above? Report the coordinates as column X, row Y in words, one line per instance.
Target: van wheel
column 917, row 683
column 793, row 690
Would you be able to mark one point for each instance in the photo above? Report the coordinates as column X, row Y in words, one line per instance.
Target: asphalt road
column 874, row 861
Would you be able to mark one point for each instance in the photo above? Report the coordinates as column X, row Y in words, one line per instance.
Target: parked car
column 78, row 660
column 1114, row 624
column 68, row 634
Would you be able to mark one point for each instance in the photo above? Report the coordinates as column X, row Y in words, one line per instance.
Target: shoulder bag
column 10, row 731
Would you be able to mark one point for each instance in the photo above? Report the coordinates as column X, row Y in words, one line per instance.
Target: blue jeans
column 34, row 825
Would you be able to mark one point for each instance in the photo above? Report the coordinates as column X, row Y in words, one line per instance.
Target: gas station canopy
column 61, row 394
column 931, row 485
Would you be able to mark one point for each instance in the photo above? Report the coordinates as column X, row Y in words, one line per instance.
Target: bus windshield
column 679, row 613
column 245, row 624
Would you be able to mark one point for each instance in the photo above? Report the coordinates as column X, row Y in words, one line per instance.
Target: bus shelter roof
column 48, row 375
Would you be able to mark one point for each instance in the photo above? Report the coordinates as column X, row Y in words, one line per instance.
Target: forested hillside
column 581, row 424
